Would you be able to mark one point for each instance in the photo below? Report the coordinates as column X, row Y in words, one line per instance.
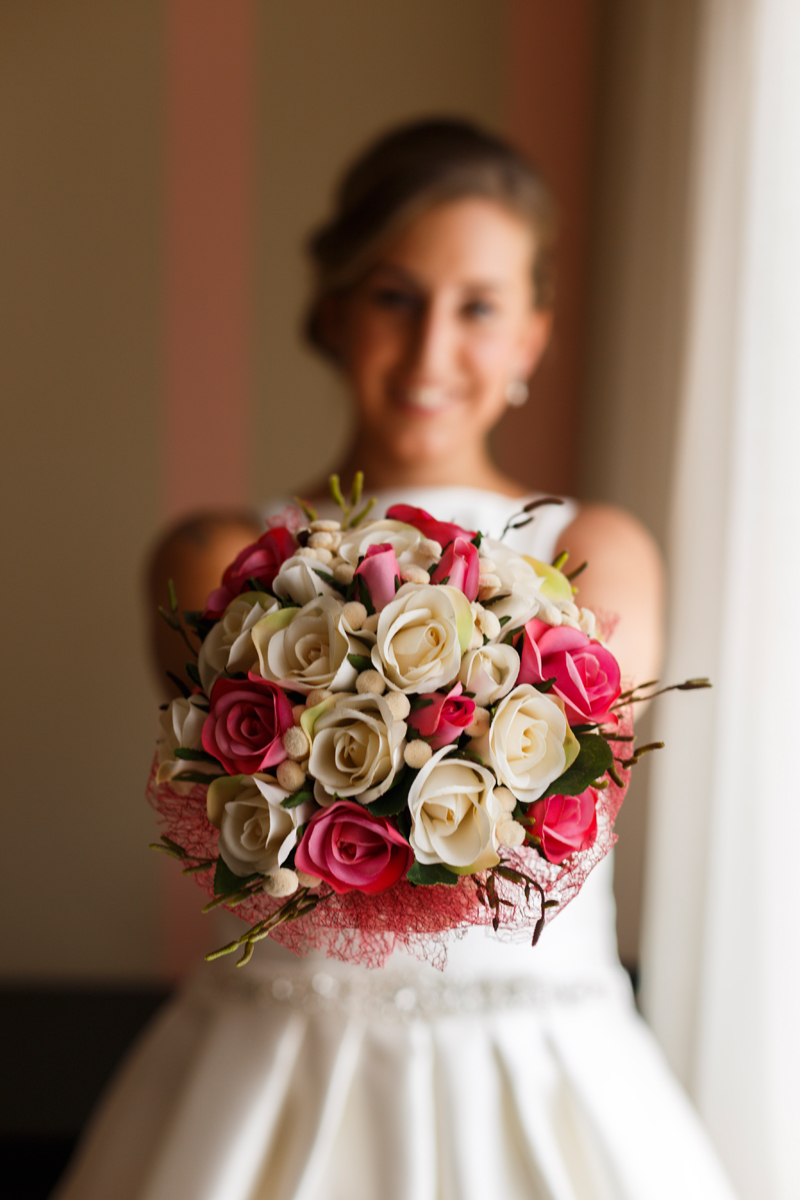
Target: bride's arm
column 624, row 578
column 193, row 555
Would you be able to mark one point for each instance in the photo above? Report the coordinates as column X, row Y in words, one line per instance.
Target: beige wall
column 79, row 361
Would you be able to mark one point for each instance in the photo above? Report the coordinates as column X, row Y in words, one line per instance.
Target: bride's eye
column 478, row 310
column 394, row 298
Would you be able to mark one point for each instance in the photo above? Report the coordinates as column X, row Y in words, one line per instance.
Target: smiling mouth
column 426, row 399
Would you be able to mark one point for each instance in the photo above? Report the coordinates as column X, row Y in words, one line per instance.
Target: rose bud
column 564, row 824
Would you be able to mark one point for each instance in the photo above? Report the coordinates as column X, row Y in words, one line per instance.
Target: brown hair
column 405, row 173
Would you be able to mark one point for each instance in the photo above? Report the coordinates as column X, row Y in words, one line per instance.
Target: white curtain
column 721, row 956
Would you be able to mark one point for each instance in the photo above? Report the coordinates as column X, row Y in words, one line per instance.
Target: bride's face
column 433, row 335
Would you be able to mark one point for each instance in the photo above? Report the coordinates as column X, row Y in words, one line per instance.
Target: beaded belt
column 390, row 996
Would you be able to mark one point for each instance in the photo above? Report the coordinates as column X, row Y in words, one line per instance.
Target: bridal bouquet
column 391, row 729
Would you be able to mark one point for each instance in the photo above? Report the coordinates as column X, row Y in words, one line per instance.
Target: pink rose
column 244, row 727
column 586, row 674
column 260, row 560
column 564, row 824
column 380, row 572
column 445, row 719
column 350, row 849
column 460, row 566
column 440, row 531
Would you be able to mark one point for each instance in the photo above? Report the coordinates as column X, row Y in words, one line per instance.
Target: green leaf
column 194, row 755
column 226, row 883
column 476, row 541
column 196, row 777
column 179, row 684
column 420, row 702
column 363, row 593
column 201, row 625
column 297, row 799
column 360, row 662
column 396, row 799
column 545, row 685
column 423, row 875
column 173, row 599
column 170, row 618
column 329, row 579
column 194, row 674
column 504, row 620
column 595, row 757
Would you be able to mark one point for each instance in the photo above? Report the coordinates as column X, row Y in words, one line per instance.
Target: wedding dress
column 517, row 1072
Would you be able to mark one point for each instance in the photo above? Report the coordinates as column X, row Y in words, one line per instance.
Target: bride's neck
column 382, row 472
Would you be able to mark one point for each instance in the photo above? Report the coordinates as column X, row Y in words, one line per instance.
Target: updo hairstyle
column 404, row 174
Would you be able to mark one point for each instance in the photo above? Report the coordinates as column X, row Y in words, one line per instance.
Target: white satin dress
column 517, row 1072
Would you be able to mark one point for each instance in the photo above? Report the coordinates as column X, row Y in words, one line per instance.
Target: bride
column 515, row 1072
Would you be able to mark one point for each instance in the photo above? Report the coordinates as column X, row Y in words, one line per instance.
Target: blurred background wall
column 161, row 164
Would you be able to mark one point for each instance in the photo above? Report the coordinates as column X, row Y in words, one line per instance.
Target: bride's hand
column 193, row 555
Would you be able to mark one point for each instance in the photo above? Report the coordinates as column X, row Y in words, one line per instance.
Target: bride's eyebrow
column 400, row 274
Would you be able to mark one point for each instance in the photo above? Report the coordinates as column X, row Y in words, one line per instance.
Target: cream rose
column 255, row 833
column 520, row 594
column 530, row 743
column 421, row 636
column 299, row 580
column 490, row 672
column 454, row 813
column 182, row 725
column 356, row 749
column 410, row 547
column 229, row 645
column 306, row 648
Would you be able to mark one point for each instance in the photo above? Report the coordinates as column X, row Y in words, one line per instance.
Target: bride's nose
column 432, row 343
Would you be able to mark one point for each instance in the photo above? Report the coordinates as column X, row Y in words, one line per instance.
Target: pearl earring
column 516, row 392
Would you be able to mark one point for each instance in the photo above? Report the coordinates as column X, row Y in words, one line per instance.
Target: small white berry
column 417, row 753
column 508, row 801
column 509, row 833
column 354, row 613
column 344, row 573
column 370, row 683
column 283, row 882
column 413, row 574
column 290, row 776
column 399, row 705
column 296, row 744
column 480, row 723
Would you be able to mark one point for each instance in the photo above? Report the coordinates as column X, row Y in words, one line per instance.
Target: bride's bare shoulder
column 624, row 576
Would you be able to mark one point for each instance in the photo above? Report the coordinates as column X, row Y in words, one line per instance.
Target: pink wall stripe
column 210, row 98
column 210, row 147
column 551, row 56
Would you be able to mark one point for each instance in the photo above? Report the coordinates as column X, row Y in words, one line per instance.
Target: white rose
column 410, row 547
column 356, row 749
column 530, row 743
column 520, row 596
column 306, row 648
column 255, row 833
column 182, row 725
column 422, row 634
column 229, row 646
column 489, row 672
column 300, row 581
column 454, row 813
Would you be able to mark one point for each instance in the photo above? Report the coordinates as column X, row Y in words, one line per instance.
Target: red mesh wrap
column 365, row 929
